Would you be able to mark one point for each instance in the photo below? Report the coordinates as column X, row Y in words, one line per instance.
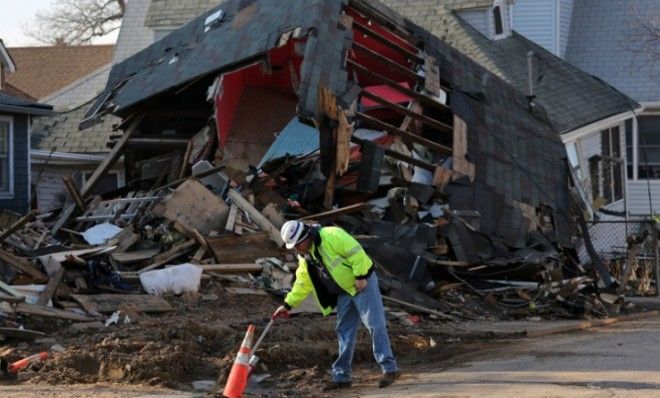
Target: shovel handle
column 261, row 338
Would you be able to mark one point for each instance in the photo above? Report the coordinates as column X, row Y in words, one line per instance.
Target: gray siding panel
column 20, row 202
column 478, row 19
column 536, row 21
column 638, row 197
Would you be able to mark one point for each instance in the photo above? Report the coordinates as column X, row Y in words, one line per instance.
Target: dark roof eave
column 36, row 111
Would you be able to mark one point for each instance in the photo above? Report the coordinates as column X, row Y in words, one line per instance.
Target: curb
column 590, row 324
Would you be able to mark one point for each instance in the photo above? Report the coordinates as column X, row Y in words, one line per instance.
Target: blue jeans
column 367, row 306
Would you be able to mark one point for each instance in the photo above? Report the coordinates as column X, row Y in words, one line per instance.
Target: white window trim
column 10, row 193
column 635, row 142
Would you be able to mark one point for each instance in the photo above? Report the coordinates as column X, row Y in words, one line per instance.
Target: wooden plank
column 432, row 82
column 418, row 307
column 10, row 290
column 407, row 112
column 48, row 292
column 186, row 160
column 400, row 156
column 23, row 265
column 134, row 256
column 460, row 163
column 170, row 255
column 409, row 73
column 397, row 86
column 245, row 290
column 48, row 312
column 263, row 223
column 231, row 219
column 18, row 224
column 109, row 303
column 231, row 268
column 247, row 248
column 404, row 134
column 21, row 334
column 75, row 194
column 194, row 207
column 335, row 213
column 387, row 42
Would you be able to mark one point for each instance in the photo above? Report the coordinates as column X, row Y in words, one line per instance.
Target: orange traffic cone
column 23, row 363
column 238, row 377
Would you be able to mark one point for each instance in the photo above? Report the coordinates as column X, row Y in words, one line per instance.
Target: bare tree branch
column 644, row 39
column 76, row 21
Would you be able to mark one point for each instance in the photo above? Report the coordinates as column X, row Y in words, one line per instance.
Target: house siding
column 478, row 19
column 536, row 20
column 20, row 202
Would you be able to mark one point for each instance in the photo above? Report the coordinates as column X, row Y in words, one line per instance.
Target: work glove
column 280, row 313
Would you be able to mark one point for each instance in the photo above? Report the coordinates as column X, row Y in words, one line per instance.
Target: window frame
column 637, row 142
column 493, row 25
column 609, row 165
column 9, row 193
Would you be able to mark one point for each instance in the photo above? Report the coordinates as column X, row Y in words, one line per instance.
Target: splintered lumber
column 407, row 112
column 9, row 294
column 21, row 334
column 23, row 265
column 134, row 256
column 17, row 225
column 48, row 292
column 108, row 303
column 231, row 220
column 103, row 168
column 460, row 149
column 335, row 213
column 48, row 312
column 172, row 254
column 234, row 249
column 263, row 223
column 231, row 268
column 418, row 307
column 194, row 207
column 73, row 191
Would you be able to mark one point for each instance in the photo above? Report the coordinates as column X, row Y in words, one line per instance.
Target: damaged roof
column 244, row 32
column 60, row 133
column 570, row 98
column 519, row 158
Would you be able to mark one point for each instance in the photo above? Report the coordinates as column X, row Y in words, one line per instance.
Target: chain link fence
column 630, row 250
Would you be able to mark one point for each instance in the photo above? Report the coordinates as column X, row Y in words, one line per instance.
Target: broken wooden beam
column 18, row 224
column 404, row 134
column 23, row 265
column 48, row 292
column 108, row 303
column 390, row 63
column 419, row 308
column 256, row 216
column 388, row 42
column 73, row 191
column 172, row 254
column 335, row 213
column 231, row 268
column 410, row 113
column 48, row 312
column 400, row 156
column 397, row 86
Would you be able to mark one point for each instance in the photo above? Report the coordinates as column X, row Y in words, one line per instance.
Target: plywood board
column 48, row 312
column 108, row 303
column 233, row 249
column 194, row 207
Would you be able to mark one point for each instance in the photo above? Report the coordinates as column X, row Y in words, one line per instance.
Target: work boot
column 388, row 378
column 337, row 385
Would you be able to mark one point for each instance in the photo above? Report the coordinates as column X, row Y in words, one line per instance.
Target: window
column 648, row 142
column 497, row 16
column 6, row 157
column 606, row 169
column 108, row 182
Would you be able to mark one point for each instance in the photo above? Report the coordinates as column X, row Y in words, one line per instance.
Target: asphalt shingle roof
column 174, row 13
column 41, row 71
column 569, row 97
column 60, row 133
column 10, row 103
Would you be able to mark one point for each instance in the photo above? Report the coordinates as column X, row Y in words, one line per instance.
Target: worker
column 335, row 268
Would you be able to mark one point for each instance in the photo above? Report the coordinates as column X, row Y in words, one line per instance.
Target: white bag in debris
column 176, row 279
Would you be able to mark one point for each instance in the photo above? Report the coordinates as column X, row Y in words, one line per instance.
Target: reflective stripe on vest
column 331, row 264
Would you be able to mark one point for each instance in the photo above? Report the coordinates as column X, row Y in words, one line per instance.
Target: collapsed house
column 336, row 112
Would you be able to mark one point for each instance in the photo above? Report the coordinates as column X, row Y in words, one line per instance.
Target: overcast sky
column 14, row 14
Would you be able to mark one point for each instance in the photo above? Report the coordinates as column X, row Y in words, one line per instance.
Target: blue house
column 16, row 115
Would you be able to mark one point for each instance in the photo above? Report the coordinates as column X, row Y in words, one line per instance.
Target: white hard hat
column 293, row 232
